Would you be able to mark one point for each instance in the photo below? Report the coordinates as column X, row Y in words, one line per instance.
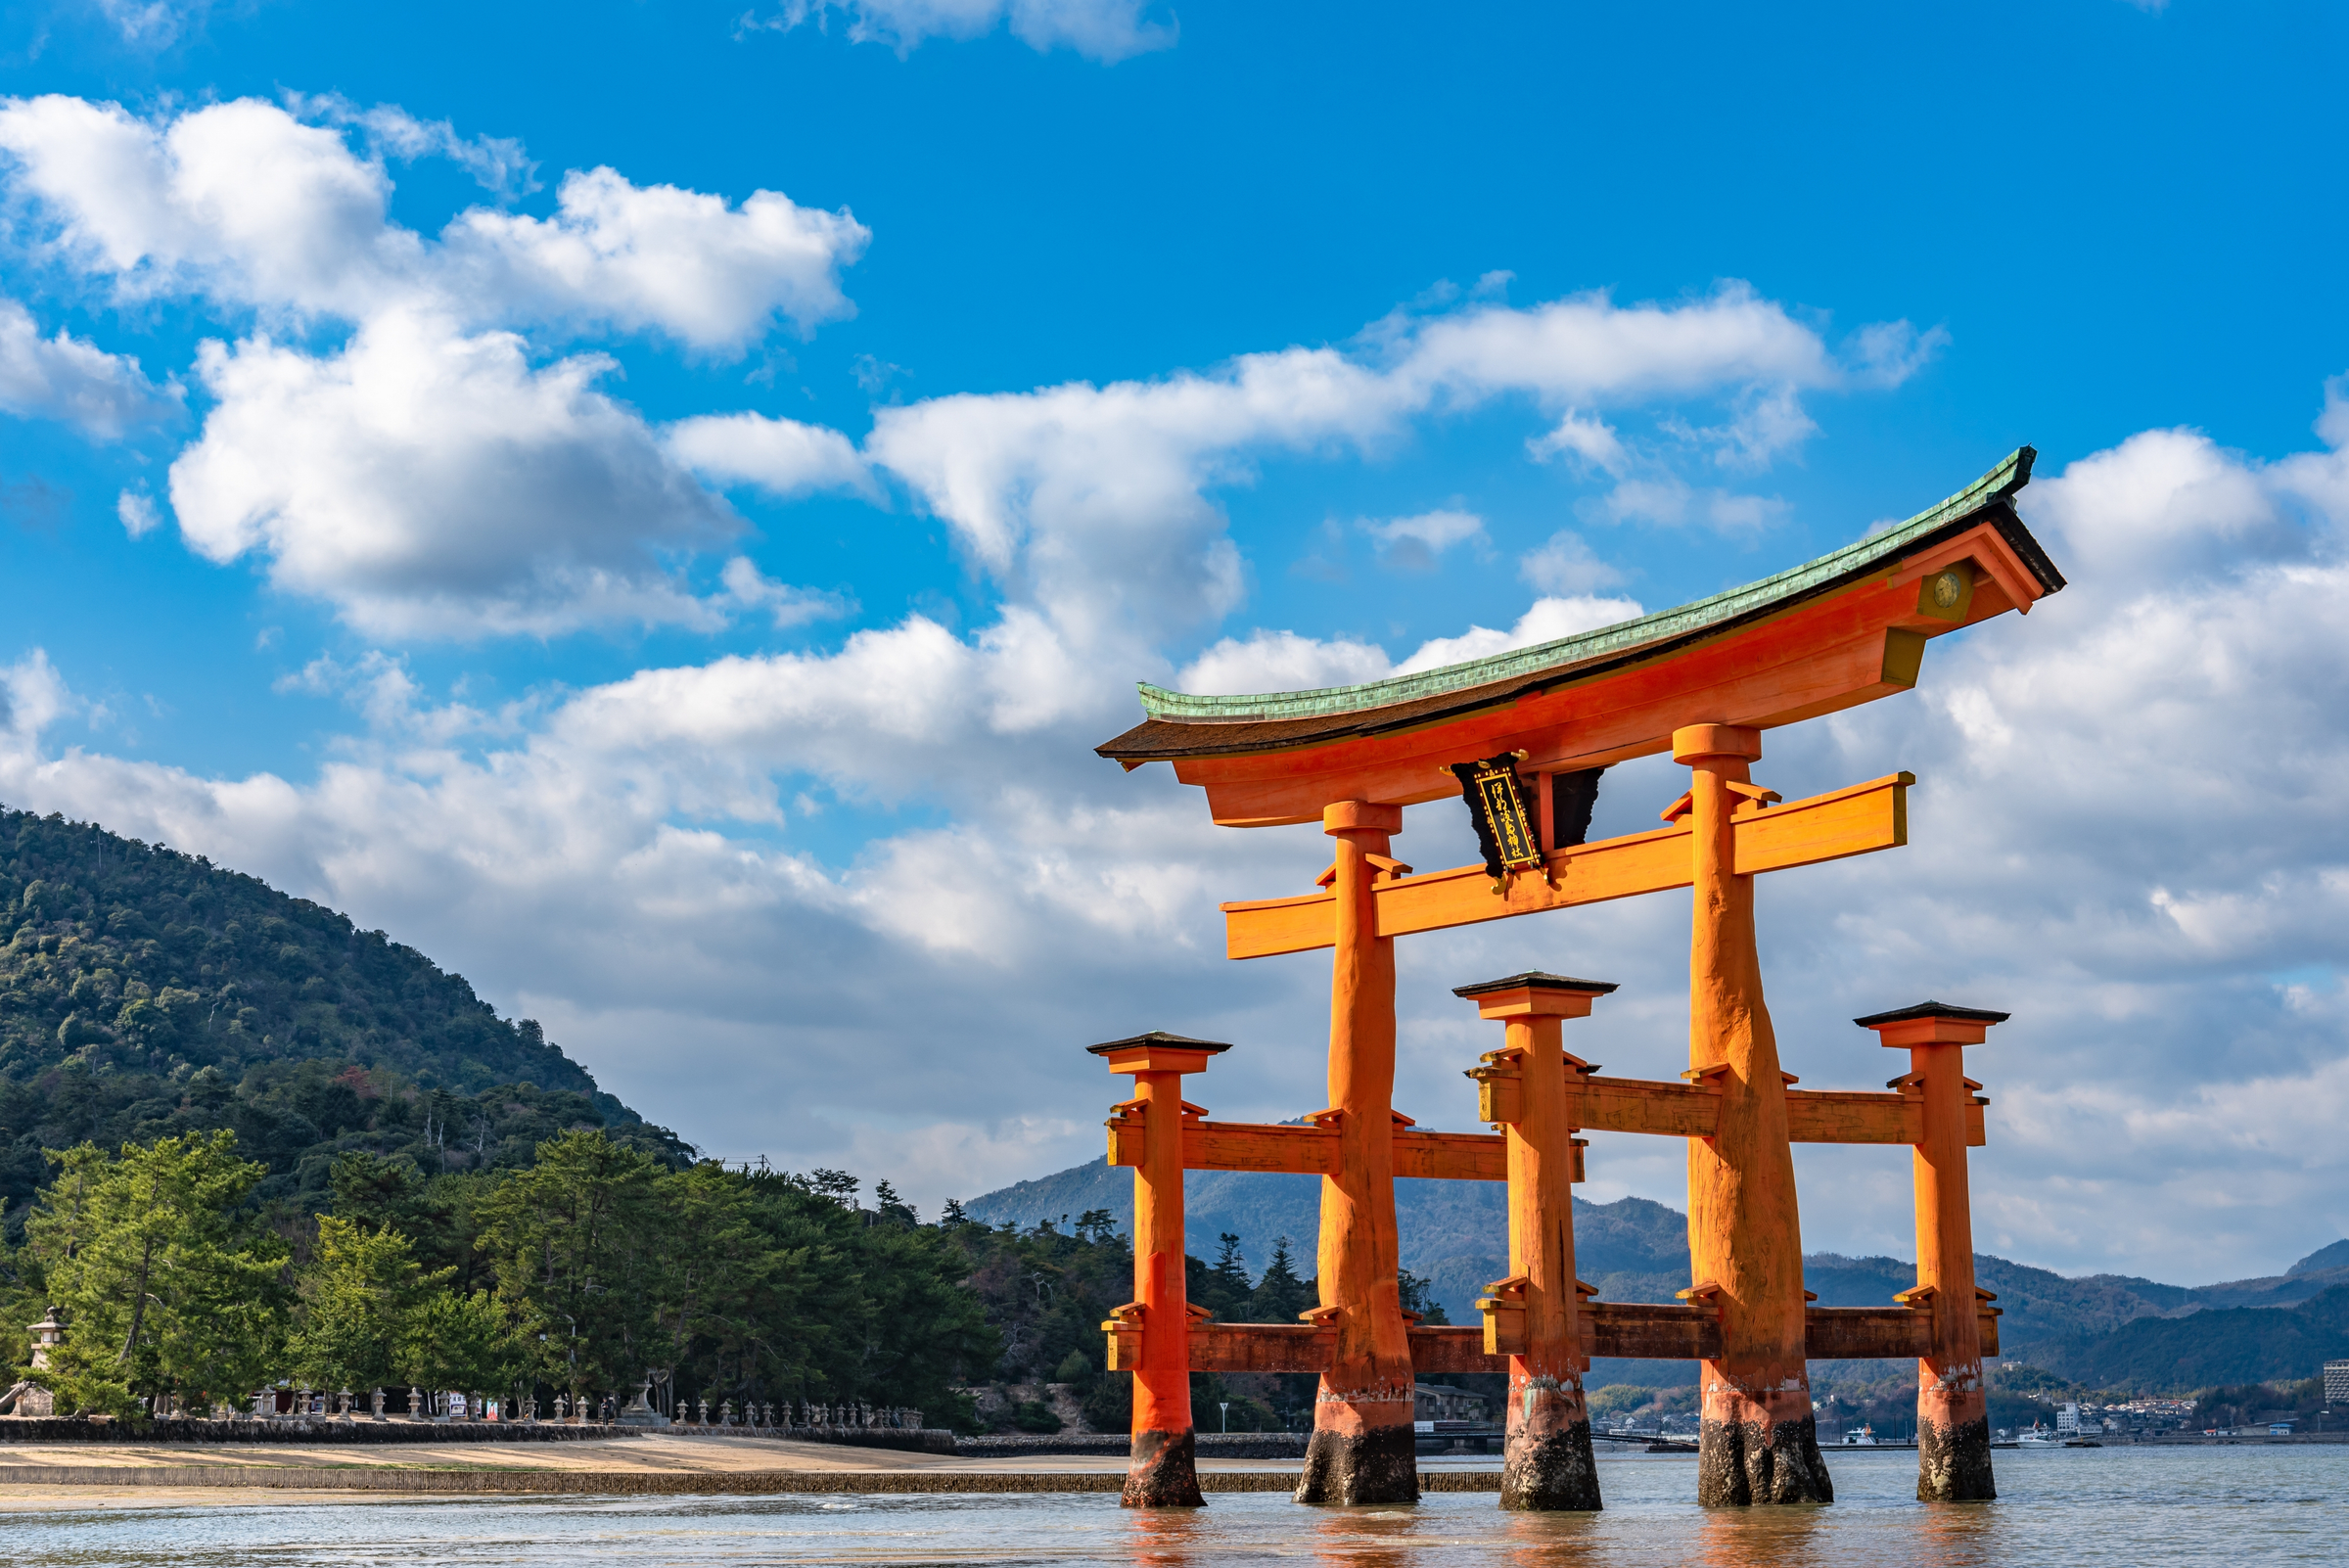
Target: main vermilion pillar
column 1163, row 1468
column 1547, row 1463
column 1758, row 1442
column 1953, row 1412
column 1362, row 1450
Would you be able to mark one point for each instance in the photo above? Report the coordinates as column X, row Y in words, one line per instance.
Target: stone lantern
column 47, row 1335
column 28, row 1398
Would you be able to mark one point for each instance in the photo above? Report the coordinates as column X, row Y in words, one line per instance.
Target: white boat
column 1861, row 1436
column 2038, row 1437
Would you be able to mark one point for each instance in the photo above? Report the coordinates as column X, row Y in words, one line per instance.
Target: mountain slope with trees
column 146, row 994
column 2219, row 1346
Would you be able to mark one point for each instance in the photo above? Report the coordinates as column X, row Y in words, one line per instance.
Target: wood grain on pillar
column 1758, row 1442
column 1361, row 1451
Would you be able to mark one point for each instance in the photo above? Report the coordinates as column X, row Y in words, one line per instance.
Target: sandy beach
column 143, row 1475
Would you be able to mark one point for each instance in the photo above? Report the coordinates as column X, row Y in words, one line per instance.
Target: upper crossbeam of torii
column 1523, row 736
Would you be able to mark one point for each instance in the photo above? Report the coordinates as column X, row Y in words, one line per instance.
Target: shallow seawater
column 2072, row 1507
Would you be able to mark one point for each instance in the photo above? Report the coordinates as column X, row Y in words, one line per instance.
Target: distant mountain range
column 2103, row 1330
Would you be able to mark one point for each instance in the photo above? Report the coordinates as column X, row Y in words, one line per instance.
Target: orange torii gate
column 1702, row 683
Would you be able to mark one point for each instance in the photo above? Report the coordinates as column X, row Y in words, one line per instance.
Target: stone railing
column 790, row 1418
column 300, row 1402
column 857, row 1425
column 299, row 1410
column 794, row 1418
column 319, row 1416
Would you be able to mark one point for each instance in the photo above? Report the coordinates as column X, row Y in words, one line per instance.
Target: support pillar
column 1547, row 1463
column 1758, row 1442
column 1953, row 1413
column 1162, row 1469
column 1361, row 1451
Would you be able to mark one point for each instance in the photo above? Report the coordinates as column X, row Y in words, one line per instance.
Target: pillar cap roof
column 1536, row 979
column 1932, row 1009
column 1158, row 1037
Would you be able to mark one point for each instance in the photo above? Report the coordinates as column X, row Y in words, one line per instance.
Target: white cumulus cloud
column 1592, row 441
column 1548, row 619
column 137, row 510
column 73, row 380
column 239, row 201
column 431, row 475
column 715, row 276
column 1283, row 660
column 780, row 457
column 1565, row 565
column 1094, row 502
column 1413, row 543
column 247, row 204
column 428, row 482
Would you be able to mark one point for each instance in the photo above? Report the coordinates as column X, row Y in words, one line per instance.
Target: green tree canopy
column 574, row 1240
column 928, row 1330
column 163, row 1283
column 361, row 1296
column 1279, row 1296
column 467, row 1342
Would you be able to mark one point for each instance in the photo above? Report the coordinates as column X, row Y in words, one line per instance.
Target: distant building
column 2337, row 1382
column 2067, row 1421
column 1440, row 1402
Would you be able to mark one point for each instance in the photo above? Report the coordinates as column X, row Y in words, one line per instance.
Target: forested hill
column 144, row 993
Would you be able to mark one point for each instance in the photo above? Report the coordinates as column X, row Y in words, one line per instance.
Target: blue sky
column 654, row 506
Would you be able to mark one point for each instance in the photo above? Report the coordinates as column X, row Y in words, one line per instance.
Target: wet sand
column 37, row 1477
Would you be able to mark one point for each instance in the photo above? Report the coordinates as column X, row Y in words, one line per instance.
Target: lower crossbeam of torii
column 1522, row 736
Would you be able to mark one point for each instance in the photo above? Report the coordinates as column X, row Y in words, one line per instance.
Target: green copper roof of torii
column 1664, row 625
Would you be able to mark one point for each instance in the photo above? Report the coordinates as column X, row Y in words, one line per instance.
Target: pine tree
column 361, row 1297
column 463, row 1343
column 1230, row 1268
column 165, row 1284
column 576, row 1241
column 1419, row 1296
column 1279, row 1296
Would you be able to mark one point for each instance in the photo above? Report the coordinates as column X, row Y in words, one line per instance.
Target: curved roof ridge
column 2010, row 476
